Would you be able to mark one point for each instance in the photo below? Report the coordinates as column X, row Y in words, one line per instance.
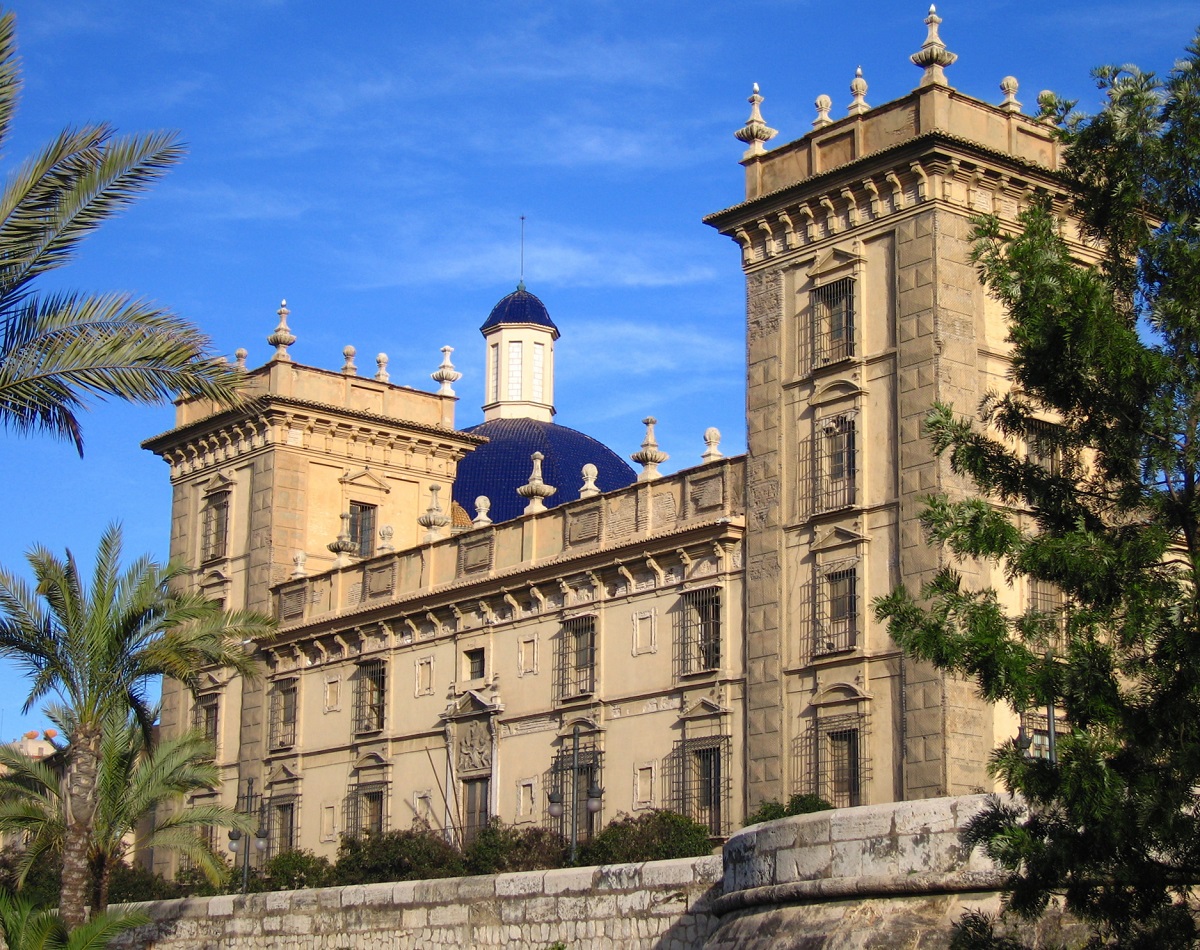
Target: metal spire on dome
column 521, row 281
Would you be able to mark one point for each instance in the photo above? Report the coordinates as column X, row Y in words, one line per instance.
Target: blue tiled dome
column 519, row 307
column 501, row 466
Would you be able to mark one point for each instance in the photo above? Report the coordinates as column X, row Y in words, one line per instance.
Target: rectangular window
column 1047, row 599
column 475, row 804
column 539, row 372
column 702, row 781
column 370, row 696
column 527, row 657
column 514, row 369
column 494, row 373
column 362, row 528
column 643, row 786
column 700, row 630
column 366, row 809
column 333, row 694
column 215, row 529
column 205, row 717
column 836, row 469
column 424, row 669
column 283, row 826
column 833, row 322
column 645, row 632
column 423, row 806
column 328, row 822
column 1045, row 445
column 577, row 658
column 474, row 663
column 527, row 799
column 837, row 612
column 834, row 760
column 571, row 783
column 1037, row 731
column 283, row 715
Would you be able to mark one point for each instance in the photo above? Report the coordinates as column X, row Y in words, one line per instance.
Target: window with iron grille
column 282, row 815
column 1037, row 730
column 833, row 759
column 283, row 714
column 835, row 468
column 474, row 663
column 1045, row 445
column 1047, row 599
column 362, row 528
column 576, row 658
column 215, row 528
column 572, row 782
column 366, row 809
column 701, row 781
column 836, row 629
column 370, row 696
column 205, row 717
column 833, row 322
column 699, row 631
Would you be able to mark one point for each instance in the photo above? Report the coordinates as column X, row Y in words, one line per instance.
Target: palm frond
column 10, row 73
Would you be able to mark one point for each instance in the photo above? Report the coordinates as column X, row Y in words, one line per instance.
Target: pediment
column 364, row 478
column 835, row 389
column 838, row 693
column 471, row 703
column 220, row 482
column 586, row 726
column 836, row 536
column 832, row 262
column 214, row 578
column 369, row 760
column 703, row 709
column 280, row 774
column 207, row 681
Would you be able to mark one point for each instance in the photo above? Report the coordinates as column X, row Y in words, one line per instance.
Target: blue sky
column 370, row 162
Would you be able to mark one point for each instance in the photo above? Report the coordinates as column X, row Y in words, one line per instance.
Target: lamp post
column 594, row 795
column 236, row 843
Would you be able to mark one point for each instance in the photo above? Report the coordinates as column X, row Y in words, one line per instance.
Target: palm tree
column 134, row 780
column 27, row 927
column 57, row 350
column 97, row 649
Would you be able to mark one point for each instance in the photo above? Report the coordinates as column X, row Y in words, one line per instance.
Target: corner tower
column 520, row 336
column 863, row 309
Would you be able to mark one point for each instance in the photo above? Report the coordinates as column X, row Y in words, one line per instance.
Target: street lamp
column 260, row 835
column 595, row 793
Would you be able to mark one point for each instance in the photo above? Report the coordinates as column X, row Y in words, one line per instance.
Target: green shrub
column 652, row 836
column 293, row 870
column 43, row 882
column 192, row 882
column 417, row 854
column 797, row 805
column 498, row 848
column 129, row 883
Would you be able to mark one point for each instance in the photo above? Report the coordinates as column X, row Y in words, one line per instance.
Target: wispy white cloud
column 221, row 201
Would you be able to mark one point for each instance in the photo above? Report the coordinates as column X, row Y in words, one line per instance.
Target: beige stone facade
column 706, row 638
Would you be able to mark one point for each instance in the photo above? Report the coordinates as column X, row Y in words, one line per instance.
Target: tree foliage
column 1110, row 352
column 58, row 350
column 96, row 648
column 650, row 836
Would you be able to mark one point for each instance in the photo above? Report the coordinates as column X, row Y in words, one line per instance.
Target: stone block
column 404, row 892
column 618, row 877
column 925, row 816
column 447, row 914
column 669, row 873
column 568, row 879
column 413, row 917
column 868, row 821
column 221, row 906
column 520, row 883
column 297, row 924
column 803, row 864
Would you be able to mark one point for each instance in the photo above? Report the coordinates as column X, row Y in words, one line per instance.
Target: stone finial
column 1008, row 86
column 434, row 519
column 386, row 533
column 823, row 104
column 483, row 505
column 1047, row 100
column 650, row 456
column 536, row 490
column 589, row 488
column 381, row 374
column 240, row 355
column 858, row 89
column 933, row 56
column 348, row 367
column 283, row 337
column 344, row 545
column 712, row 442
column 445, row 373
column 299, row 559
column 755, row 133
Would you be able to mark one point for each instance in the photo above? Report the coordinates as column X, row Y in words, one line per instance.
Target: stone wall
column 662, row 904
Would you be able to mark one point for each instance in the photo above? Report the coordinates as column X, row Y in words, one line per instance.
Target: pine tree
column 1109, row 514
